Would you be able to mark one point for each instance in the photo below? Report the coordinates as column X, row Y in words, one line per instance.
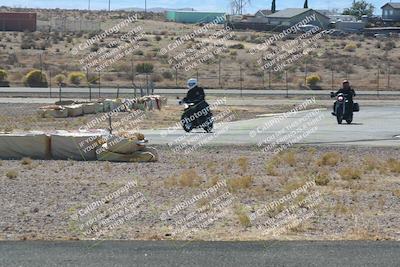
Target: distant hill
column 155, row 9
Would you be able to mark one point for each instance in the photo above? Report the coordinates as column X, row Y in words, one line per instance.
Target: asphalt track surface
column 180, row 253
column 373, row 126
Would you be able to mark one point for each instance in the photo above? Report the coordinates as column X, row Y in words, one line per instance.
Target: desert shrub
column 158, row 38
column 12, row 174
column 371, row 163
column 3, row 75
column 60, row 78
column 322, row 178
column 189, row 178
column 241, row 214
column 389, row 45
column 145, row 68
column 394, row 165
column 313, row 79
column 243, row 163
column 168, row 75
column 76, row 77
column 351, row 47
column 240, row 182
column 35, row 78
column 329, row 159
column 350, row 173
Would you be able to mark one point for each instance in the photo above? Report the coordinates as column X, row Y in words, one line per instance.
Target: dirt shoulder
column 358, row 194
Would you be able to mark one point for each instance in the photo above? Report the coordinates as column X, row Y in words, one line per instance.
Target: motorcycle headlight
column 340, row 98
column 186, row 106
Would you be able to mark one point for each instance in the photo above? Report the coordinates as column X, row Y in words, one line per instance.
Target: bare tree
column 238, row 6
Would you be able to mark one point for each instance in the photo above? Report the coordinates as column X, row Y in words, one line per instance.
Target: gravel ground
column 52, row 199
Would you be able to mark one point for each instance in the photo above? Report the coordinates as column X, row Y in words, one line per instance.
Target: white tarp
column 123, row 145
column 78, row 145
column 148, row 154
column 35, row 145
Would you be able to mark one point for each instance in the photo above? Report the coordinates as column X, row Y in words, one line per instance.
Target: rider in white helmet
column 195, row 93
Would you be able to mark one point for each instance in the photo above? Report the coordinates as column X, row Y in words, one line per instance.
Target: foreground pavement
column 174, row 253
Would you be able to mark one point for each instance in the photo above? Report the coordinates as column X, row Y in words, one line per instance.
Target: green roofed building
column 195, row 17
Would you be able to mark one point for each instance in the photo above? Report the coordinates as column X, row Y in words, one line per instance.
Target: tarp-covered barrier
column 127, row 147
column 73, row 109
column 79, row 145
column 146, row 154
column 35, row 145
column 53, row 111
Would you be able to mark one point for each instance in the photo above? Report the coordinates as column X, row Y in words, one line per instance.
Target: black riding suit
column 196, row 94
column 349, row 95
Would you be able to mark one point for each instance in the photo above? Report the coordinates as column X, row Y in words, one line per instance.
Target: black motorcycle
column 343, row 109
column 197, row 114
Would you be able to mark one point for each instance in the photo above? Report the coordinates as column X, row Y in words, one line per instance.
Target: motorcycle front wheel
column 188, row 127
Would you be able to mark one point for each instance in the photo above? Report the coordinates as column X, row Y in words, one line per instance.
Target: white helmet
column 191, row 83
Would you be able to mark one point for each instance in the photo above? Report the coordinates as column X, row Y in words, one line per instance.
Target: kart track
column 372, row 126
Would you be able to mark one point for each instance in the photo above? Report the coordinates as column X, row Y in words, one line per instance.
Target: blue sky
column 220, row 5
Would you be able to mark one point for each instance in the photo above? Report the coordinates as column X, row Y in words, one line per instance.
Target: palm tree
column 273, row 6
column 306, row 4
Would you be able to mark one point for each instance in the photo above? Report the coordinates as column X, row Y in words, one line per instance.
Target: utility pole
column 109, row 5
column 89, row 5
column 145, row 6
column 41, row 68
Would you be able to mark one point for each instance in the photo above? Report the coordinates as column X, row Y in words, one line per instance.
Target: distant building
column 391, row 12
column 347, row 18
column 17, row 21
column 290, row 16
column 195, row 16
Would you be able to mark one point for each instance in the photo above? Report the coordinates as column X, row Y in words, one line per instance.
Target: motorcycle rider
column 348, row 91
column 195, row 93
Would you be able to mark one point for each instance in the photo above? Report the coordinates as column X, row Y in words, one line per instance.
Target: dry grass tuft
column 26, row 161
column 329, row 159
column 371, row 163
column 270, row 167
column 243, row 163
column 289, row 158
column 12, row 174
column 240, row 182
column 241, row 214
column 396, row 193
column 189, row 178
column 394, row 165
column 214, row 180
column 171, row 181
column 350, row 173
column 322, row 178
